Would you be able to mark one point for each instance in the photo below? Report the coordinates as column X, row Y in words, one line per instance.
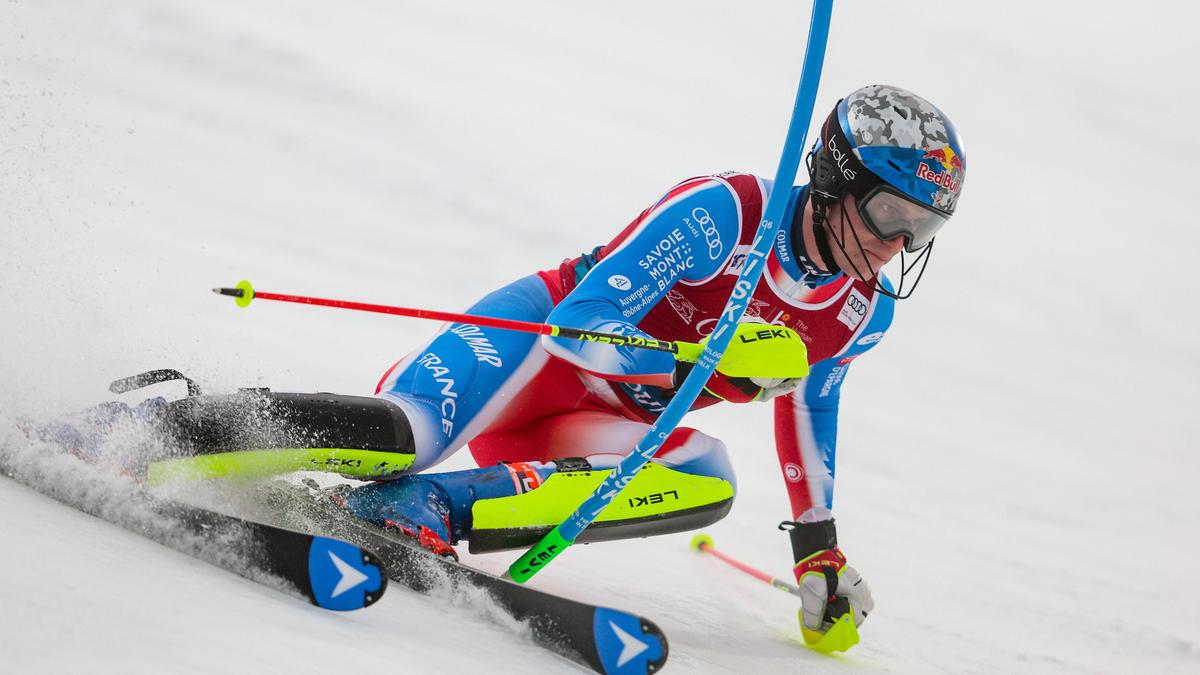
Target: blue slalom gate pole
column 562, row 536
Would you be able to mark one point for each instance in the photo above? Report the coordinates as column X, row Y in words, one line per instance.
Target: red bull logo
column 950, row 178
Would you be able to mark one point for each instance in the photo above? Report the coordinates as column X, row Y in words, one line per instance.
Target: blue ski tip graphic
column 340, row 576
column 624, row 645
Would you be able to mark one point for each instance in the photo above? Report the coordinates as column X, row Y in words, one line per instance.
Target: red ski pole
column 704, row 544
column 842, row 635
column 684, row 351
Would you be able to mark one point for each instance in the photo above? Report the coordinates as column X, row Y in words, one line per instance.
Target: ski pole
column 842, row 635
column 683, row 351
column 565, row 533
column 704, row 544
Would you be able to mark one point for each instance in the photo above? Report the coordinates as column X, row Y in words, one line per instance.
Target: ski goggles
column 890, row 214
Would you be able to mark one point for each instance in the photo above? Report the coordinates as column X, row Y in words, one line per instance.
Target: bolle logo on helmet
column 841, row 159
column 951, row 164
column 620, row 282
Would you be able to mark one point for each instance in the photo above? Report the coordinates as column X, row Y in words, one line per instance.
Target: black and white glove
column 835, row 598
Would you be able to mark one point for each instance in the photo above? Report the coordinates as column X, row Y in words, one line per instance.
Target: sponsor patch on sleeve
column 738, row 260
column 855, row 309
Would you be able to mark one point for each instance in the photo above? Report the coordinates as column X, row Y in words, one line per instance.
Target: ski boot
column 110, row 435
column 435, row 509
column 85, row 433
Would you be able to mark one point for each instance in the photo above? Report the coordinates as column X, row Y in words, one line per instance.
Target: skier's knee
column 443, row 390
column 691, row 451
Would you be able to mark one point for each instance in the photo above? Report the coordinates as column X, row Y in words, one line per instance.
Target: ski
column 339, row 570
column 326, row 572
column 601, row 638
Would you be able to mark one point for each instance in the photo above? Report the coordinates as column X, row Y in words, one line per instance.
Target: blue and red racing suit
column 521, row 397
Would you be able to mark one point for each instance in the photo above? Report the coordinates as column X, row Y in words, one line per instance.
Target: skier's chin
column 862, row 265
column 864, row 279
column 864, row 270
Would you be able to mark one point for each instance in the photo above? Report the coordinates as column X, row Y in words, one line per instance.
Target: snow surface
column 1017, row 460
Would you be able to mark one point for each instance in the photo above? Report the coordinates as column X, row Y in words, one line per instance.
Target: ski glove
column 746, row 389
column 835, row 598
column 762, row 361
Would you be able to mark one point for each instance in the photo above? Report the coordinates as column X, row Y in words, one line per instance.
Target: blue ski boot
column 435, row 509
column 85, row 434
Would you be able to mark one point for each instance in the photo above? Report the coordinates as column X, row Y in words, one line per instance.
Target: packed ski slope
column 1017, row 459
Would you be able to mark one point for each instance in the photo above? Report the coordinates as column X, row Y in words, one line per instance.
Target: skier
column 544, row 417
column 885, row 173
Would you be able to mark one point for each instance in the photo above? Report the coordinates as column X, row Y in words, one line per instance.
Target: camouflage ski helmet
column 890, row 149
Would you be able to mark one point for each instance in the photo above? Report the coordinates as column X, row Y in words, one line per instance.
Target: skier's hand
column 746, row 389
column 824, row 576
column 835, row 598
column 762, row 361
